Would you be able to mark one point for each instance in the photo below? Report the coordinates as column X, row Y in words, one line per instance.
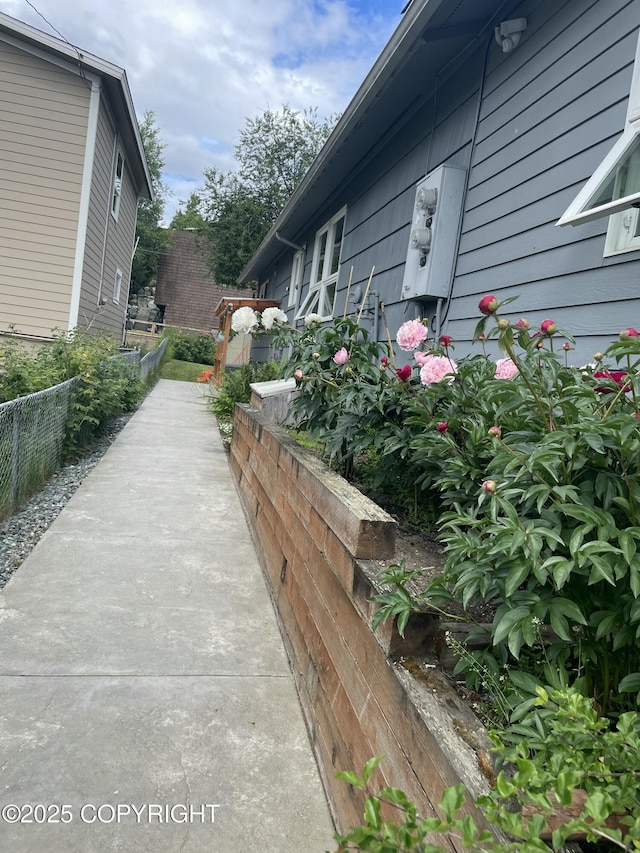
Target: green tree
column 274, row 152
column 189, row 218
column 151, row 238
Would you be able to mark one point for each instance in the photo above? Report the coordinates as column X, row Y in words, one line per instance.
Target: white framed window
column 325, row 268
column 117, row 186
column 295, row 285
column 623, row 233
column 117, row 286
column 615, row 185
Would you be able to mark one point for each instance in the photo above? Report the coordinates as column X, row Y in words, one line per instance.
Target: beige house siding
column 43, row 135
column 109, row 241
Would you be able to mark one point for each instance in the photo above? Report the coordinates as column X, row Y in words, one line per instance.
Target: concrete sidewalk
column 141, row 667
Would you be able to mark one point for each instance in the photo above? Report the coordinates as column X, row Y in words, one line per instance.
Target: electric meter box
column 433, row 238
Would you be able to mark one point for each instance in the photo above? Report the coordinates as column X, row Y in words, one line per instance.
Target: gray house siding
column 549, row 113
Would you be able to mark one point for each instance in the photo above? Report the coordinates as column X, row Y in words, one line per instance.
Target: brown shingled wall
column 186, row 287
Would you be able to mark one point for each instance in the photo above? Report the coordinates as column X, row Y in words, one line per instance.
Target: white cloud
column 203, row 67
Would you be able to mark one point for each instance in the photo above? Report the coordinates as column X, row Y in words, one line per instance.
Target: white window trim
column 317, row 289
column 116, row 190
column 297, row 272
column 578, row 211
column 117, row 286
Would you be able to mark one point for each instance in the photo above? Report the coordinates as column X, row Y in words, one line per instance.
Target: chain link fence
column 32, row 430
column 151, row 361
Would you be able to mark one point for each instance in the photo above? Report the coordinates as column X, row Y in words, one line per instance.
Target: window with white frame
column 325, row 267
column 295, row 285
column 117, row 286
column 614, row 188
column 117, row 186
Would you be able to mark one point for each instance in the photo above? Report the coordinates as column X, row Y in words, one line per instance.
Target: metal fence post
column 15, row 454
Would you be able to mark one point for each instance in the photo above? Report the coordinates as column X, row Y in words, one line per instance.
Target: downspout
column 288, row 242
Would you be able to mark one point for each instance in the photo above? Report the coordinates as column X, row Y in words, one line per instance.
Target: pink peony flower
column 341, row 356
column 298, row 373
column 443, row 426
column 505, row 369
column 566, row 346
column 420, row 357
column 495, row 431
column 445, row 340
column 548, row 327
column 411, row 334
column 627, row 334
column 488, row 304
column 489, row 486
column 403, row 373
column 436, row 367
column 384, row 361
column 522, row 323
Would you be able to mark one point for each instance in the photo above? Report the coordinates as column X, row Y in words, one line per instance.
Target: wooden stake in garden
column 366, row 293
column 386, row 328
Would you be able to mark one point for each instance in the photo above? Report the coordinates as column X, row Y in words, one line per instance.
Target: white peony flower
column 244, row 320
column 273, row 315
column 312, row 318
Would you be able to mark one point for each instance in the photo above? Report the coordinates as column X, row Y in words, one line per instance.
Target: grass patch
column 183, row 371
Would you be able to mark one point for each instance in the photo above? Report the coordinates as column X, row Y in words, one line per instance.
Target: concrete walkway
column 142, row 673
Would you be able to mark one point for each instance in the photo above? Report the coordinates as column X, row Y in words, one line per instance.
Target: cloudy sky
column 204, row 66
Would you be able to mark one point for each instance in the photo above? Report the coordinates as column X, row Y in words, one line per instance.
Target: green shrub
column 198, row 347
column 106, row 386
column 235, row 387
column 563, row 753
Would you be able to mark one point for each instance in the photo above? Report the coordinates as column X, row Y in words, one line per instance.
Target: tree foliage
column 274, row 152
column 150, row 236
column 189, row 218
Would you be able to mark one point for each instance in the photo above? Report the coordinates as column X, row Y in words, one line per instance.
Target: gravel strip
column 20, row 533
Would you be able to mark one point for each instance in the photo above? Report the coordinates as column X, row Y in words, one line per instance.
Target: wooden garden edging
column 362, row 693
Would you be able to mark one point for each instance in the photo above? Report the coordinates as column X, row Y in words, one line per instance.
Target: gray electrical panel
column 434, row 233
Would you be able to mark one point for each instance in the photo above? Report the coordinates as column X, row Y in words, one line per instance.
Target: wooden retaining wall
column 363, row 694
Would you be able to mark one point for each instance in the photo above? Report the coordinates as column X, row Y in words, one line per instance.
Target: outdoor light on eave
column 509, row 33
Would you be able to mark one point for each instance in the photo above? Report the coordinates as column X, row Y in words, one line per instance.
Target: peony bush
column 531, row 466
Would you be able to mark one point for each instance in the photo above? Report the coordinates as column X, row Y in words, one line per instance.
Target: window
column 297, row 269
column 117, row 286
column 614, row 187
column 324, row 269
column 117, row 186
column 623, row 234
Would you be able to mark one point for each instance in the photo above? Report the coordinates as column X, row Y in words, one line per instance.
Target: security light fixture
column 509, row 33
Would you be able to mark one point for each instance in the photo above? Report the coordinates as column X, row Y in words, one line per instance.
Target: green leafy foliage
column 197, row 347
column 151, row 238
column 535, row 476
column 563, row 753
column 105, row 388
column 236, row 386
column 274, row 151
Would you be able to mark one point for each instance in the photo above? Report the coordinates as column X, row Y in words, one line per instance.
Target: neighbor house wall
column 549, row 112
column 43, row 134
column 109, row 242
